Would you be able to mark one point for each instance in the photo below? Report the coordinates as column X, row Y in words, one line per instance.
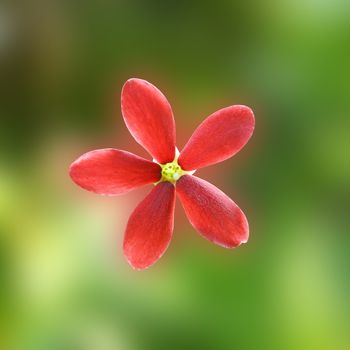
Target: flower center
column 171, row 172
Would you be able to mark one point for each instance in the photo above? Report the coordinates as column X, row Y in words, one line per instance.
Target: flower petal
column 112, row 171
column 218, row 137
column 213, row 214
column 150, row 227
column 149, row 118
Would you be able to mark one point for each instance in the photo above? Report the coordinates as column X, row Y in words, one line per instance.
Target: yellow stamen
column 172, row 172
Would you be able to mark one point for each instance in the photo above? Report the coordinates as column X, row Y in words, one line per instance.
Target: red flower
column 149, row 118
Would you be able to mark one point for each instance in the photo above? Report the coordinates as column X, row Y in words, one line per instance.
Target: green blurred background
column 64, row 281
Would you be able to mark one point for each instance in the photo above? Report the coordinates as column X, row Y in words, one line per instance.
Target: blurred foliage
column 65, row 284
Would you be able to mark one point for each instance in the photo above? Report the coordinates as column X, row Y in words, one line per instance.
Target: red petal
column 149, row 117
column 112, row 171
column 218, row 137
column 211, row 212
column 150, row 227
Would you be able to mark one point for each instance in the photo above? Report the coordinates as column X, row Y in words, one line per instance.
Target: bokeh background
column 64, row 281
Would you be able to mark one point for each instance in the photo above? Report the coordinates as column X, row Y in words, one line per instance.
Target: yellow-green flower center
column 171, row 172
